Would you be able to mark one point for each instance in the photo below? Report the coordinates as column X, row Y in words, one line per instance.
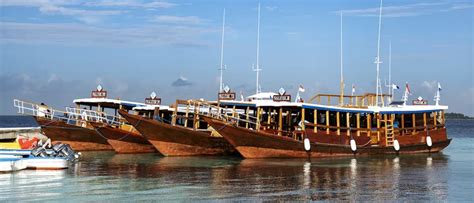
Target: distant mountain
column 456, row 116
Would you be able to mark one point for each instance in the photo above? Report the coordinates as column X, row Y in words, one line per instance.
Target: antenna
column 377, row 60
column 257, row 66
column 222, row 68
column 341, row 99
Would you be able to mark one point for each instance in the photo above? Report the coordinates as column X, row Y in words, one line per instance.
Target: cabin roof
column 408, row 109
column 262, row 95
column 150, row 107
column 371, row 109
column 108, row 103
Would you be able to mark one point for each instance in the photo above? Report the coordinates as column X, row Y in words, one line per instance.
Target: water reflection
column 106, row 176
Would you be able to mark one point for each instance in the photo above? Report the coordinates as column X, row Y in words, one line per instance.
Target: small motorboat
column 42, row 157
column 11, row 164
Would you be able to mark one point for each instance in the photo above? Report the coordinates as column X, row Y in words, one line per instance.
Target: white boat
column 46, row 162
column 11, row 164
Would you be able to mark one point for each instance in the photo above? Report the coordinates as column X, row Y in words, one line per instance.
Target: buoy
column 353, row 145
column 307, row 144
column 396, row 145
column 429, row 142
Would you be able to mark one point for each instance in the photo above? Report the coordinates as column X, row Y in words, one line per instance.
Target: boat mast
column 377, row 60
column 257, row 67
column 341, row 99
column 222, row 53
column 390, row 86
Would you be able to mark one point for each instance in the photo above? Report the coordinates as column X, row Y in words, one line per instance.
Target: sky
column 54, row 51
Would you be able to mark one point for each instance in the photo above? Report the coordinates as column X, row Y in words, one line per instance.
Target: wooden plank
column 435, row 114
column 413, row 118
column 338, row 123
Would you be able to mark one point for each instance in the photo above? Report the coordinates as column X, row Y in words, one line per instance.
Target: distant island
column 456, row 116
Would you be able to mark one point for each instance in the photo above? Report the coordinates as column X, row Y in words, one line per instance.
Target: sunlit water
column 106, row 176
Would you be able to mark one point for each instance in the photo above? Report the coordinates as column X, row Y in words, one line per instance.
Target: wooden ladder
column 389, row 131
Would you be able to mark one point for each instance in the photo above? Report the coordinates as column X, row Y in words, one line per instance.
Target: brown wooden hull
column 253, row 144
column 123, row 141
column 179, row 141
column 79, row 138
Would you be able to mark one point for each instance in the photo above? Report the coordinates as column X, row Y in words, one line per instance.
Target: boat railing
column 95, row 116
column 41, row 110
column 226, row 114
column 70, row 116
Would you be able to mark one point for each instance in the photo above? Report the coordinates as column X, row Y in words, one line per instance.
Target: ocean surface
column 105, row 176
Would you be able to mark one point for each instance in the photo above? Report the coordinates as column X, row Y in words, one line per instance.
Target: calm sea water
column 105, row 176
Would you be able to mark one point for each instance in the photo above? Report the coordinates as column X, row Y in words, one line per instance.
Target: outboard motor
column 39, row 152
column 58, row 147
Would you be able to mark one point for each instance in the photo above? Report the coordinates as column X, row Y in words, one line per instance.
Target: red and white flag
column 407, row 88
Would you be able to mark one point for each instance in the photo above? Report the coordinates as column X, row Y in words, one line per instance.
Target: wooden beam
column 442, row 118
column 338, row 123
column 187, row 114
column 269, row 115
column 358, row 123
column 175, row 114
column 369, row 121
column 257, row 126
column 302, row 119
column 247, row 117
column 424, row 122
column 403, row 124
column 434, row 119
column 378, row 125
column 348, row 123
column 327, row 122
column 315, row 120
column 280, row 121
column 413, row 119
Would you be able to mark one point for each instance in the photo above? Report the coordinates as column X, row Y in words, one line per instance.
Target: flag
column 407, row 88
column 353, row 88
column 301, row 88
column 439, row 87
column 395, row 87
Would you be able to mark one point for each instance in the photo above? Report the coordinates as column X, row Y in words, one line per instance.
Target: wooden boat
column 124, row 141
column 291, row 129
column 171, row 139
column 73, row 125
column 78, row 137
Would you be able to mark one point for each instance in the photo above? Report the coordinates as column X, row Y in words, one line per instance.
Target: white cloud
column 66, row 8
column 132, row 3
column 83, row 35
column 176, row 19
column 407, row 10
